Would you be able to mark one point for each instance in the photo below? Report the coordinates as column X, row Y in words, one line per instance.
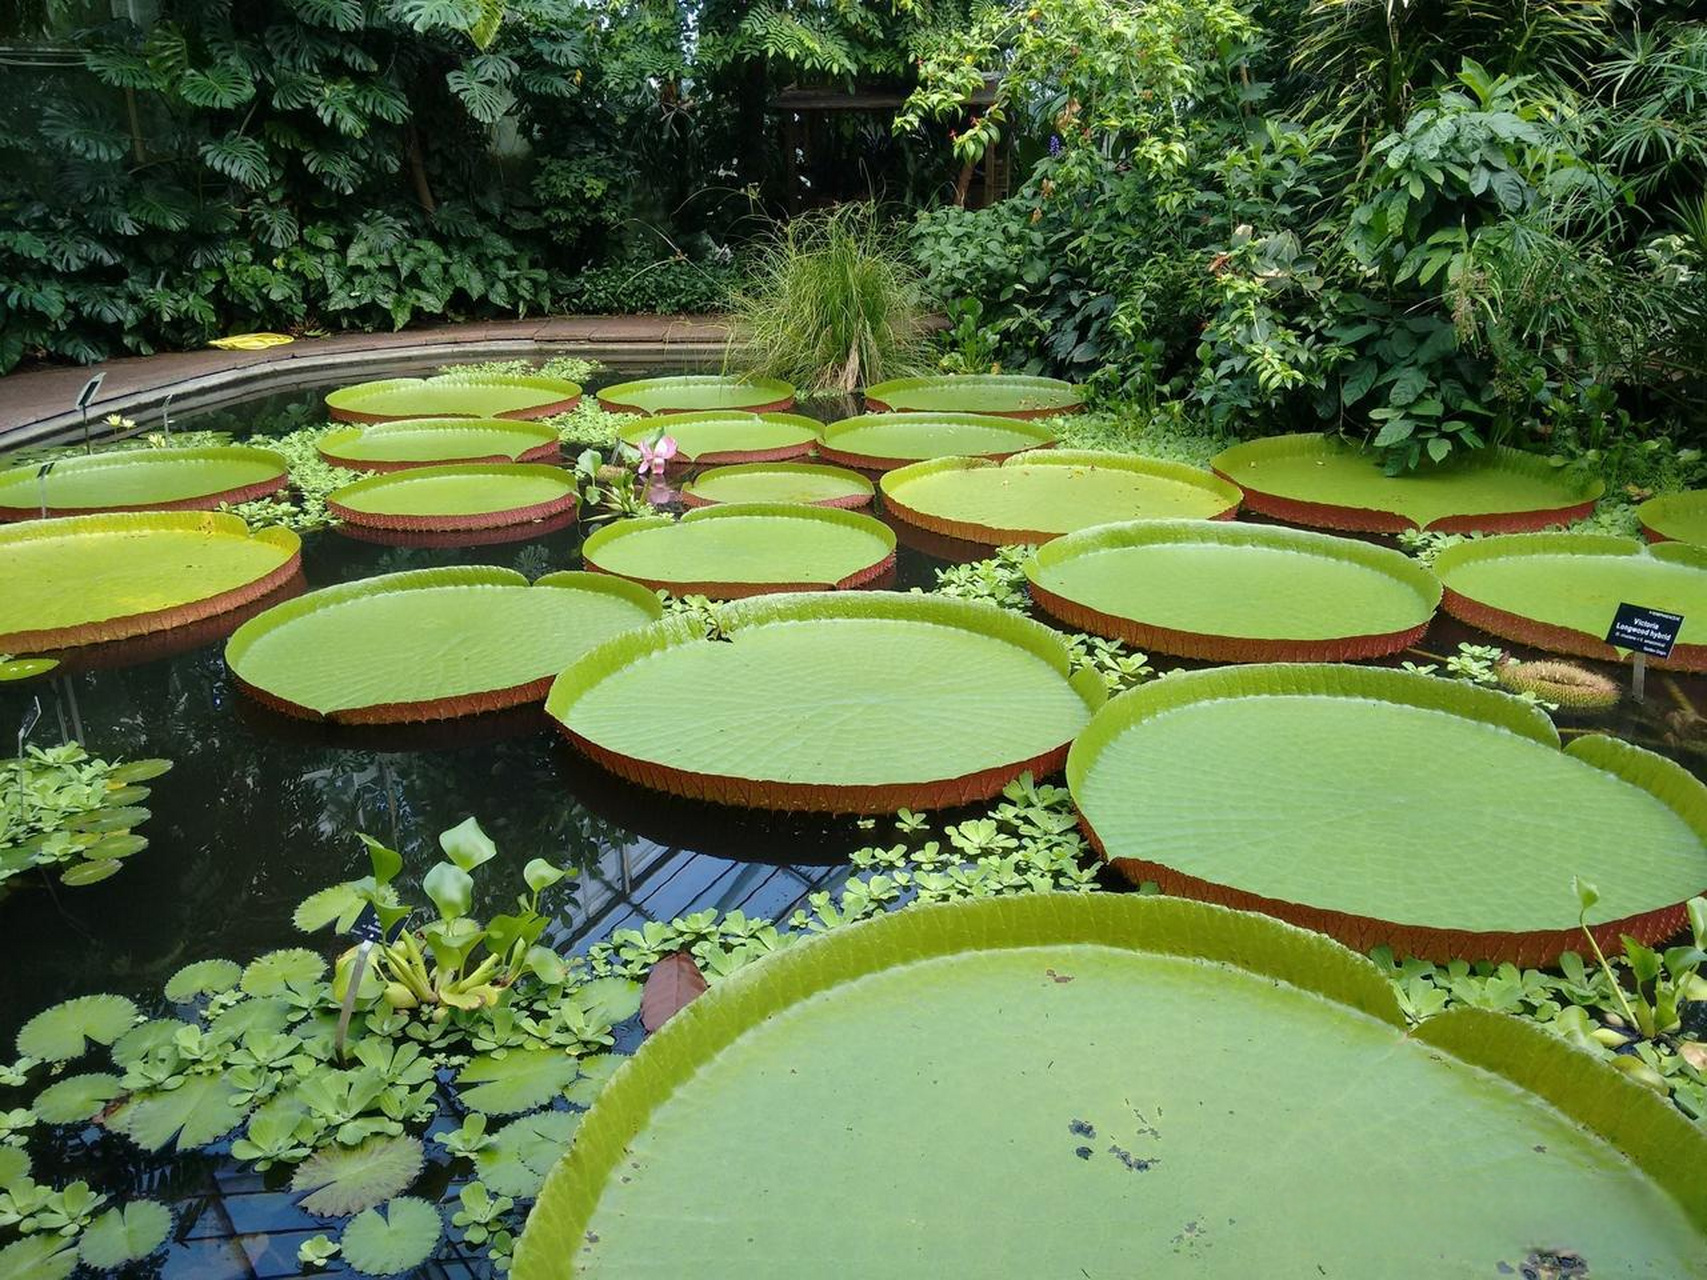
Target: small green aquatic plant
column 65, row 810
column 302, row 507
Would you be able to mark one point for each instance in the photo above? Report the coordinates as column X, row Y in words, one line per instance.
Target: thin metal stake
column 1639, row 676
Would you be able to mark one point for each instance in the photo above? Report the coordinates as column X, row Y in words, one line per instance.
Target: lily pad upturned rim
column 1350, row 519
column 129, row 458
column 449, row 707
column 1635, row 1121
column 1659, row 516
column 893, row 482
column 770, row 395
column 798, row 443
column 1229, row 648
column 544, row 446
column 1668, row 782
column 1547, row 635
column 213, row 524
column 339, row 503
column 890, row 396
column 1042, row 437
column 611, row 657
column 618, row 529
column 562, row 395
column 862, row 490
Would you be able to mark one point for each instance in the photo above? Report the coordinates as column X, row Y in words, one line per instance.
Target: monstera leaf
column 68, row 1029
column 1016, row 395
column 344, row 1180
column 394, row 1239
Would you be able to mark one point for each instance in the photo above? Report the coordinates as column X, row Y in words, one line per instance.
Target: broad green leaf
column 262, row 1016
column 203, row 978
column 518, row 396
column 609, row 1000
column 143, row 1039
column 199, row 1111
column 114, row 818
column 773, row 482
column 882, row 441
column 436, row 441
column 14, row 1165
column 996, row 393
column 344, row 1180
column 465, row 496
column 595, row 1074
column 1678, row 516
column 523, row 1151
column 39, row 1257
column 696, row 392
column 539, row 875
column 466, row 845
column 142, row 478
column 76, row 1098
column 451, row 889
column 140, row 770
column 726, row 435
column 68, row 1029
column 397, row 1238
column 93, row 871
column 124, row 1235
column 521, row 1080
column 23, row 668
column 278, row 971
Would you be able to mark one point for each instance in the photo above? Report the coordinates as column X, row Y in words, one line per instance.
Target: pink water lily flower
column 655, row 457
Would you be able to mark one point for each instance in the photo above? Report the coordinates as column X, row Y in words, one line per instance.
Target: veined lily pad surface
column 1036, row 496
column 425, row 442
column 497, row 396
column 884, row 441
column 695, row 393
column 745, row 549
column 1150, row 1072
column 793, row 482
column 482, row 496
column 1005, row 394
column 728, row 435
column 86, row 579
column 1235, row 593
column 429, row 643
column 1559, row 591
column 859, row 703
column 1676, row 517
column 1320, row 480
column 1297, row 790
column 143, row 480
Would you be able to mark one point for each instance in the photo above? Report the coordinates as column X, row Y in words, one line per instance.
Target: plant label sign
column 1652, row 632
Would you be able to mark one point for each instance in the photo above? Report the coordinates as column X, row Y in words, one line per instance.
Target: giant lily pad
column 696, row 393
column 1436, row 817
column 425, row 442
column 1040, row 495
column 87, row 579
column 1005, row 394
column 845, row 703
column 476, row 496
column 728, row 435
column 884, row 441
column 1320, row 480
column 927, row 1063
column 796, row 482
column 498, row 396
column 745, row 549
column 143, row 480
column 1235, row 593
column 1676, row 517
column 429, row 643
column 1559, row 591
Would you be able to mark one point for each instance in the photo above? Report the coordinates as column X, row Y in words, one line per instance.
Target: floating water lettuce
column 1152, row 1072
column 696, row 393
column 1297, row 790
column 496, row 396
column 198, row 479
column 796, row 482
column 1235, row 593
column 471, row 496
column 424, row 442
column 727, row 435
column 1004, row 394
column 884, row 441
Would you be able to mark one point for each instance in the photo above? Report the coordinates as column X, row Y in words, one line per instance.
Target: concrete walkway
column 40, row 403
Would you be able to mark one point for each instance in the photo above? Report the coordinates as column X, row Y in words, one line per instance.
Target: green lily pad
column 392, row 1240
column 1559, row 591
column 856, row 702
column 523, row 1151
column 140, row 770
column 498, row 396
column 1296, row 790
column 278, row 971
column 143, row 480
column 745, row 549
column 606, row 1001
column 884, row 441
column 1042, row 494
column 203, row 978
column 1676, row 517
column 86, row 579
column 429, row 643
column 66, row 1030
column 76, row 1098
column 117, row 818
column 1321, row 480
column 342, row 1180
column 1150, row 1139
column 91, row 871
column 41, row 1257
column 266, row 1016
column 696, row 393
column 14, row 1165
column 796, row 482
column 1235, row 593
column 143, row 1039
column 1014, row 395
column 520, row 1080
column 595, row 1074
column 425, row 442
column 475, row 496
column 727, row 435
column 25, row 668
column 125, row 1235
column 201, row 1110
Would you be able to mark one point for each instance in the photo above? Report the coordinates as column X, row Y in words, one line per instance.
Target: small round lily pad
column 1676, row 517
column 1042, row 494
column 696, row 393
column 728, row 435
column 198, row 479
column 789, row 482
column 494, row 396
column 1235, row 593
column 1004, row 394
column 884, row 441
column 475, row 496
column 426, row 442
column 744, row 549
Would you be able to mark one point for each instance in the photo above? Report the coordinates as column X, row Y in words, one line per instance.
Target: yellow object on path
column 251, row 341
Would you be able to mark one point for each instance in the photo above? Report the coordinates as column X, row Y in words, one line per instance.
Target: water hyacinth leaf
column 1679, row 517
column 467, row 845
column 390, row 1240
column 24, row 668
column 1016, row 395
column 126, row 1234
column 38, row 1257
column 203, row 978
column 278, row 971
column 386, row 863
column 425, row 442
column 521, row 1080
column 469, row 496
column 696, row 393
column 674, row 982
column 1085, row 1015
column 76, row 1098
column 539, row 875
column 608, row 1001
column 523, row 396
column 200, row 1110
column 140, row 770
column 724, row 437
column 66, row 1030
column 523, row 1151
column 451, row 889
column 177, row 479
column 595, row 1074
column 92, row 871
column 342, row 1180
column 796, row 482
column 884, row 441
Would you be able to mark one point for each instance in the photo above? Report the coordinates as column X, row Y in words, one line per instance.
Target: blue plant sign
column 367, row 927
column 1646, row 631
